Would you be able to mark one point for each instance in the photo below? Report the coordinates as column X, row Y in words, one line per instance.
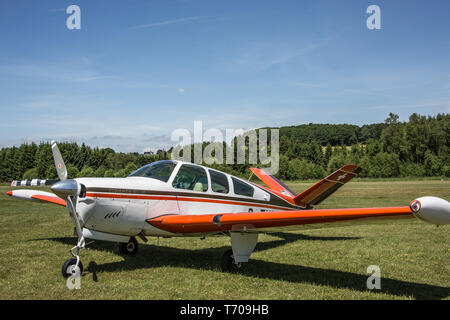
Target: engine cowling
column 431, row 209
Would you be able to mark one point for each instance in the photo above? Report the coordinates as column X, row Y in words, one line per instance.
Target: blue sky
column 137, row 70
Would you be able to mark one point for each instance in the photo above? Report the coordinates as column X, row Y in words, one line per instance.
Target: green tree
column 72, row 172
column 87, row 172
column 100, row 172
column 336, row 162
column 30, row 174
column 432, row 164
column 50, row 173
column 122, row 173
column 384, row 165
column 109, row 173
column 393, row 138
column 44, row 159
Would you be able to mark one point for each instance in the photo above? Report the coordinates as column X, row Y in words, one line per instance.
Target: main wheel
column 68, row 268
column 131, row 247
column 227, row 263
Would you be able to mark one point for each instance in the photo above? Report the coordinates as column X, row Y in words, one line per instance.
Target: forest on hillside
column 418, row 147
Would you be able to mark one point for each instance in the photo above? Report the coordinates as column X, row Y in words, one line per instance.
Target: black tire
column 227, row 263
column 129, row 248
column 70, row 262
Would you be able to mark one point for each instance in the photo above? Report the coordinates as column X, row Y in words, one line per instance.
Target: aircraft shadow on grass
column 153, row 256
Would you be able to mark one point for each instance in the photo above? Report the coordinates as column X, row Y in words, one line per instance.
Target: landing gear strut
column 128, row 248
column 242, row 244
column 228, row 264
column 73, row 265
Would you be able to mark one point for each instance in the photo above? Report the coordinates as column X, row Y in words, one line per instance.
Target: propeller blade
column 59, row 162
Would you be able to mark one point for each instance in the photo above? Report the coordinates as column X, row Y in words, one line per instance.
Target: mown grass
column 326, row 263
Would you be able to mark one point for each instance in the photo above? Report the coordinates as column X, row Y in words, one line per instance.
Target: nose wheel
column 129, row 248
column 70, row 267
column 73, row 266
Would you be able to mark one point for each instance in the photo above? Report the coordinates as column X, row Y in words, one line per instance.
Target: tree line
column 32, row 161
column 418, row 147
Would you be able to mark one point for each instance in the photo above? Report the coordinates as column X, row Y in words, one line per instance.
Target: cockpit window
column 241, row 188
column 160, row 170
column 191, row 177
column 219, row 182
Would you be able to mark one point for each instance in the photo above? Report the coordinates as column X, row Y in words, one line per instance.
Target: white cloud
column 167, row 22
column 259, row 56
column 80, row 70
column 429, row 104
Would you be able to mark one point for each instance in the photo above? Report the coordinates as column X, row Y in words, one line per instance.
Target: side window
column 241, row 188
column 219, row 182
column 191, row 177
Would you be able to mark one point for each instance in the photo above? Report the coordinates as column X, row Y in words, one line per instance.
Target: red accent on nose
column 9, row 193
column 415, row 206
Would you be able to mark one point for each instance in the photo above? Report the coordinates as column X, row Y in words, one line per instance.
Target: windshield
column 160, row 170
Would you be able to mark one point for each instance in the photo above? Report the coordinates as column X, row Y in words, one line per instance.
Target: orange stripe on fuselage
column 175, row 198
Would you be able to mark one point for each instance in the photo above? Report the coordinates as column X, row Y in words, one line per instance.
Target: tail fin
column 327, row 186
column 273, row 183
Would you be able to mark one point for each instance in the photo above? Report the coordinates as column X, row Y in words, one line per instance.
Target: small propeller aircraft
column 173, row 198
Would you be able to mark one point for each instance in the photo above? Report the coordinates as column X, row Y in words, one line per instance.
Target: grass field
column 326, row 263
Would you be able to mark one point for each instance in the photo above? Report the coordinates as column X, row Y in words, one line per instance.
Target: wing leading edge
column 37, row 196
column 212, row 223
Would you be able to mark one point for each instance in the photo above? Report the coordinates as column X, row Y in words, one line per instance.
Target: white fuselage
column 122, row 205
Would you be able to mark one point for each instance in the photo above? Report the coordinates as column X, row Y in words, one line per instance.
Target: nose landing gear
column 73, row 265
column 129, row 248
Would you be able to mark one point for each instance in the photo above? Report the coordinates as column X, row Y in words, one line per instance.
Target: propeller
column 59, row 162
column 63, row 188
column 68, row 189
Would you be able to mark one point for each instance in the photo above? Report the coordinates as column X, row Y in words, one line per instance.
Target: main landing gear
column 227, row 264
column 242, row 245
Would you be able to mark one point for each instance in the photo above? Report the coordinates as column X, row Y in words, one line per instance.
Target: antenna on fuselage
column 251, row 175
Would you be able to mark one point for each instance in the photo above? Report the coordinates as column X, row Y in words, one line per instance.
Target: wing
column 327, row 186
column 37, row 196
column 267, row 221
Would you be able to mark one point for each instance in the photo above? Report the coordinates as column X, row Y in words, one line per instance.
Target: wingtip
column 9, row 193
